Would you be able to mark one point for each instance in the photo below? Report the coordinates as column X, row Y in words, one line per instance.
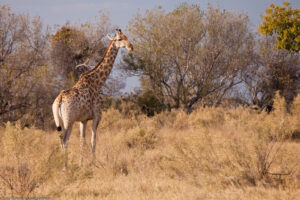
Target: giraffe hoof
column 58, row 128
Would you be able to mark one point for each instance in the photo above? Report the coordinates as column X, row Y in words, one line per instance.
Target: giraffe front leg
column 82, row 140
column 94, row 134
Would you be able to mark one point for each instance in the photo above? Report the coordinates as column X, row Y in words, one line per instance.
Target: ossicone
column 118, row 31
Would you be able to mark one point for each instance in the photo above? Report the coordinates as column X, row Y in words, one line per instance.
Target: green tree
column 285, row 23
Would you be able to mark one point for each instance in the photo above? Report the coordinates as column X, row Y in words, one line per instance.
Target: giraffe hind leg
column 82, row 139
column 65, row 137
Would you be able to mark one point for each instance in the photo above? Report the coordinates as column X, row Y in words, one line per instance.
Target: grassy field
column 213, row 153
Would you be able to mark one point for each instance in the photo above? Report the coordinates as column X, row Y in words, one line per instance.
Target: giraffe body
column 83, row 101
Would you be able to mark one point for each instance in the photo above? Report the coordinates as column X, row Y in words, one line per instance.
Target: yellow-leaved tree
column 285, row 23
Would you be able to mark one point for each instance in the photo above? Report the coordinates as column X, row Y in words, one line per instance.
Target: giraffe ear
column 118, row 31
column 110, row 37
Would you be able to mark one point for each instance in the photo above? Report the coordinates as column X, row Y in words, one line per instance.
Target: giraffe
column 83, row 101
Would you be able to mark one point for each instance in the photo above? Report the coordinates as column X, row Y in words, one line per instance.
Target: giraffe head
column 121, row 40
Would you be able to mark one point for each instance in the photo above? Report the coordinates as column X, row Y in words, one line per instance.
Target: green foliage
column 285, row 23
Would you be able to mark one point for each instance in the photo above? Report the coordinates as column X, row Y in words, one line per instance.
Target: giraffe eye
column 119, row 39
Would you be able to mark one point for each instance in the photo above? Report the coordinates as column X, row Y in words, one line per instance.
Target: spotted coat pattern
column 83, row 101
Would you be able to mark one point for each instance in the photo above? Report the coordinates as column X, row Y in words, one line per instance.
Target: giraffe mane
column 98, row 64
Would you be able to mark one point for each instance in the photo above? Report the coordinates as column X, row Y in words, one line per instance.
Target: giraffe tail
column 56, row 112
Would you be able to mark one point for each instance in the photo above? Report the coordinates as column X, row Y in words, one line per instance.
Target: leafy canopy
column 285, row 22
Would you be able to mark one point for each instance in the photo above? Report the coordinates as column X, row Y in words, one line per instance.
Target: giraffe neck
column 97, row 77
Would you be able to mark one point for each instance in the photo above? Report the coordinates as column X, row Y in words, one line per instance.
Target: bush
column 211, row 150
column 19, row 180
column 141, row 138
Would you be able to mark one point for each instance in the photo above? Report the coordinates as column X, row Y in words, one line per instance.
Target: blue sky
column 121, row 11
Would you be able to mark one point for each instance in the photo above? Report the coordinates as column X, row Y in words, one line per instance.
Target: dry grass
column 213, row 153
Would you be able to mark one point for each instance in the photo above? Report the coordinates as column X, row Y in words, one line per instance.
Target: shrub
column 141, row 138
column 19, row 180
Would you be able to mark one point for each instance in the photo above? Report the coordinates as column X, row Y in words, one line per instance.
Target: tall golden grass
column 213, row 153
